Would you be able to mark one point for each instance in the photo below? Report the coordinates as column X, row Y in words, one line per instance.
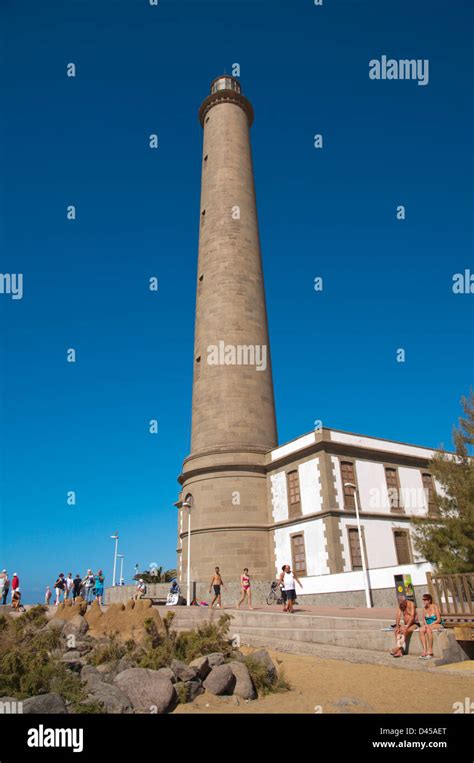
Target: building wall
column 381, row 578
column 310, row 486
column 315, row 546
column 279, row 496
column 379, row 540
column 310, row 490
column 327, row 538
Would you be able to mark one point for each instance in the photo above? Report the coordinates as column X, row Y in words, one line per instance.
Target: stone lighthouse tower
column 233, row 413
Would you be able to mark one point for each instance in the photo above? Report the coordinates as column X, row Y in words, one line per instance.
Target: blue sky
column 329, row 213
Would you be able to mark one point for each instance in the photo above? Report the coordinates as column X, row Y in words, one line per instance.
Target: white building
column 314, row 520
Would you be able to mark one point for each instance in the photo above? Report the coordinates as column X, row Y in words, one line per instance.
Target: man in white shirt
column 289, row 584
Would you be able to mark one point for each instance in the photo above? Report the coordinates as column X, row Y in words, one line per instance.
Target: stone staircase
column 353, row 638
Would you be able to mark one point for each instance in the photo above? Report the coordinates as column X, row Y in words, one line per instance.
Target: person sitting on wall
column 405, row 623
column 431, row 621
column 140, row 590
column 16, row 601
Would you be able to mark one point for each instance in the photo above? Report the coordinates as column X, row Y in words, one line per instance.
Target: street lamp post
column 362, row 550
column 187, row 505
column 121, row 557
column 115, row 537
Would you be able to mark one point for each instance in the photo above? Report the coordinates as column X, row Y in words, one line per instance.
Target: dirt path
column 318, row 684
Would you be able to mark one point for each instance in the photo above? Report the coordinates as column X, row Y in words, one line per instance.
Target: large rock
column 77, row 626
column 215, row 658
column 56, row 624
column 182, row 671
column 220, row 680
column 243, row 683
column 167, row 673
column 83, row 646
column 106, row 669
column 193, row 689
column 113, row 699
column 263, row 658
column 202, row 666
column 74, row 661
column 44, row 703
column 124, row 663
column 148, row 691
column 90, row 676
column 348, row 702
column 116, row 667
column 10, row 705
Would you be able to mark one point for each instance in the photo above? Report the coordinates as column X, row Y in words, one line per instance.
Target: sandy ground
column 318, row 684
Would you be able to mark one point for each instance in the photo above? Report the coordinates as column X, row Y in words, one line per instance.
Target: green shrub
column 109, row 652
column 186, row 646
column 262, row 681
column 87, row 709
column 26, row 672
column 206, row 638
column 182, row 692
column 35, row 615
column 159, row 656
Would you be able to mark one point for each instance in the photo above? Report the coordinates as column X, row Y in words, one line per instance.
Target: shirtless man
column 217, row 583
column 404, row 624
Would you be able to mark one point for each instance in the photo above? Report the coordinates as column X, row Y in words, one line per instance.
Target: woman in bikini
column 431, row 621
column 245, row 585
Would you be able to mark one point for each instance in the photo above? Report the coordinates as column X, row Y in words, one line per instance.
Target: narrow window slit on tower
column 203, row 216
column 205, row 158
column 198, row 366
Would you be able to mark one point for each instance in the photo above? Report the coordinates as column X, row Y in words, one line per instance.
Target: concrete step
column 273, row 619
column 351, row 633
column 374, row 640
column 299, row 622
column 327, row 651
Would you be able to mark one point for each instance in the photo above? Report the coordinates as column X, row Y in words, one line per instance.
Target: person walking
column 245, row 588
column 47, row 595
column 59, row 587
column 6, row 587
column 217, row 583
column 99, row 587
column 289, row 582
column 281, row 586
column 15, row 583
column 76, row 587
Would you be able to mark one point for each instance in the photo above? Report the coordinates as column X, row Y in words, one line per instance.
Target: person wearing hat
column 15, row 583
column 140, row 590
column 59, row 587
column 5, row 586
column 88, row 583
